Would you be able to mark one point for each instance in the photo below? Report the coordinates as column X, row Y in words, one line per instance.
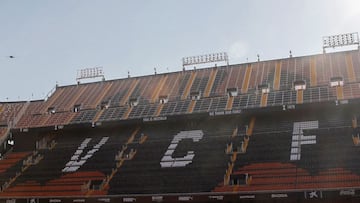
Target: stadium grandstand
column 283, row 130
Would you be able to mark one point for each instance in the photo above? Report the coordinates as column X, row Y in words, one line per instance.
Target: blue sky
column 51, row 40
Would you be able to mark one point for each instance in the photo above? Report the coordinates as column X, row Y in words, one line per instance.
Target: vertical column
column 299, row 96
column 189, row 84
column 210, row 82
column 158, row 111
column 132, row 87
column 277, row 75
column 158, row 88
column 350, row 68
column 229, row 103
column 250, row 129
column 355, row 133
column 192, row 106
column 103, row 93
column 245, row 84
column 264, row 98
column 339, row 92
column 127, row 113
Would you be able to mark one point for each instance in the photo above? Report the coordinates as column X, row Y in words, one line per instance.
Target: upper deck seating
column 8, row 111
column 3, row 130
column 83, row 103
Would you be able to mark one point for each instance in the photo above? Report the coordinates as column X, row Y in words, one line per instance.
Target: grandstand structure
column 278, row 130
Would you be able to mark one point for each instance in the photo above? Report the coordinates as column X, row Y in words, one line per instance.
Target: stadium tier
column 278, row 131
column 298, row 80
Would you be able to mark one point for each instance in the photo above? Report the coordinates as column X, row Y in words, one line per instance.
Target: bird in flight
column 10, row 56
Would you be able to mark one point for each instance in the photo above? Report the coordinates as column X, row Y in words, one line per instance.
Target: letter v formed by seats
column 76, row 161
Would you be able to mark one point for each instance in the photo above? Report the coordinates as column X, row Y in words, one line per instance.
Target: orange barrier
column 210, row 82
column 281, row 176
column 246, row 80
column 67, row 185
column 11, row 159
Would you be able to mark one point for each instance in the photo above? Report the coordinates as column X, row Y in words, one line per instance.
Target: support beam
column 52, row 99
column 339, row 92
column 107, row 180
column 350, row 68
column 354, row 122
column 40, row 121
column 235, row 132
column 264, row 98
column 229, row 103
column 191, row 106
column 245, row 144
column 245, row 84
column 69, row 118
column 158, row 110
column 299, row 96
column 277, row 75
column 69, row 104
column 355, row 133
column 188, row 85
column 158, row 89
column 233, row 157
column 230, row 168
column 32, row 159
column 133, row 134
column 250, row 128
column 210, row 82
column 356, row 140
column 77, row 96
column 130, row 91
column 103, row 93
column 127, row 113
column 97, row 115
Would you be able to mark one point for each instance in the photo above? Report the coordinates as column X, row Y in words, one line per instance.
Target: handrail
column 50, row 93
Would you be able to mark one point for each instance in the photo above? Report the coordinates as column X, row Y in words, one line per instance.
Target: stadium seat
column 264, row 128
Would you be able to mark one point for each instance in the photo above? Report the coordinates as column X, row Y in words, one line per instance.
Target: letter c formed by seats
column 169, row 161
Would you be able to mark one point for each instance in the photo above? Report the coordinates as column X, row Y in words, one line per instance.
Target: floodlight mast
column 340, row 40
column 207, row 58
column 87, row 73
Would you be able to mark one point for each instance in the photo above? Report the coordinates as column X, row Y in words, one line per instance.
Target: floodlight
column 207, row 58
column 340, row 40
column 300, row 85
column 90, row 73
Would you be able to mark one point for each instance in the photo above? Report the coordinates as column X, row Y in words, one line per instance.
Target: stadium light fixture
column 195, row 95
column 133, row 102
column 265, row 88
column 340, row 40
column 299, row 85
column 336, row 82
column 232, row 92
column 207, row 58
column 51, row 110
column 87, row 73
column 11, row 142
column 163, row 99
